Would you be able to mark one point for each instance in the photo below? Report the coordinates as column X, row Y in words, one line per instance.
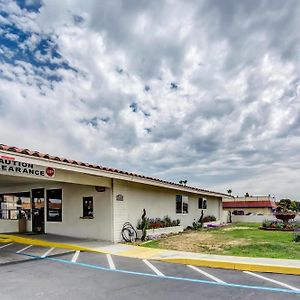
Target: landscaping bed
column 156, row 232
column 241, row 239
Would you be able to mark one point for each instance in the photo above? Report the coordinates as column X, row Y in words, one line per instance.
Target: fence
column 257, row 219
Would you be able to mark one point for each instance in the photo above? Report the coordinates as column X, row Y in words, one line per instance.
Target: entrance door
column 38, row 211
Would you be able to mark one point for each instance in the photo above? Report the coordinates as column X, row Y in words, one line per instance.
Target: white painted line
column 206, row 274
column 27, row 247
column 153, row 268
column 271, row 280
column 47, row 253
column 75, row 256
column 110, row 262
column 6, row 245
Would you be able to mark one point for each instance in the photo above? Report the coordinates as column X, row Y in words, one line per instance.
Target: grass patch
column 241, row 239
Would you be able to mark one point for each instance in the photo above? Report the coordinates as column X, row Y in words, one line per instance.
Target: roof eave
column 105, row 173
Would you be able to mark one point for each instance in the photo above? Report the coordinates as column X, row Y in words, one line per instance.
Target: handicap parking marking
column 93, row 258
column 6, row 245
column 110, row 262
column 206, row 274
column 153, row 268
column 75, row 256
column 237, row 277
column 168, row 277
column 179, row 270
column 293, row 280
column 37, row 251
column 47, row 252
column 24, row 249
column 130, row 264
column 200, row 281
column 272, row 280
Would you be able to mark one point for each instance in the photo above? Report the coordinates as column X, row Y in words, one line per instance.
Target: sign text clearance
column 11, row 165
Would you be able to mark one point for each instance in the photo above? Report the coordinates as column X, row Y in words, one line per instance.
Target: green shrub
column 296, row 237
column 152, row 223
column 209, row 219
column 167, row 221
column 196, row 225
column 267, row 223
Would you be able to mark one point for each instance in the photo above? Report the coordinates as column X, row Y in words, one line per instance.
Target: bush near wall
column 209, row 219
column 279, row 225
column 153, row 223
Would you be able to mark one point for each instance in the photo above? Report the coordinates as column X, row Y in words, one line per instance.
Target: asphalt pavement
column 35, row 272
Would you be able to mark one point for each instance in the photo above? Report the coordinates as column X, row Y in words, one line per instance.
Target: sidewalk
column 283, row 266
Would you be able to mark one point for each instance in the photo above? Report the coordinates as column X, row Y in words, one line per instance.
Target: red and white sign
column 12, row 165
column 50, row 172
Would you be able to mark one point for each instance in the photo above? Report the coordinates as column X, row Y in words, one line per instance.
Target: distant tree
column 184, row 182
column 288, row 204
column 247, row 195
column 229, row 192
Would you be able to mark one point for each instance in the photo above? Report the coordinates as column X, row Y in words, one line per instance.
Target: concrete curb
column 147, row 253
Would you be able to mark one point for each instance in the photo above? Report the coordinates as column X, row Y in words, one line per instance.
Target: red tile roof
column 94, row 166
column 249, row 204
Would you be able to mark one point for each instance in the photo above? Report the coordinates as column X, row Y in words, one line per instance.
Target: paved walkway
column 284, row 266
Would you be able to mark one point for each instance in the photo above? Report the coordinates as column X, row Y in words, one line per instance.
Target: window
column 15, row 205
column 88, row 209
column 202, row 203
column 182, row 204
column 54, row 205
column 178, row 204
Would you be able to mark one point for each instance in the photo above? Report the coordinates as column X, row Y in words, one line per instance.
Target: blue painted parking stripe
column 234, row 285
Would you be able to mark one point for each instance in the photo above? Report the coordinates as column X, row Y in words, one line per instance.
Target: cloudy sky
column 207, row 91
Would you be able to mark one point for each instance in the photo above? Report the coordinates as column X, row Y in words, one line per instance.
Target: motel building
column 70, row 198
column 247, row 205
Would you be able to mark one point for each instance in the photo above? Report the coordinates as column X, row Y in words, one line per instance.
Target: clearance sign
column 13, row 166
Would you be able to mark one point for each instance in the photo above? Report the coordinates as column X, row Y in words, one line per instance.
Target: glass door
column 38, row 210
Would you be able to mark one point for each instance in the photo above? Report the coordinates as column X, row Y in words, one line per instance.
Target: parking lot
column 34, row 272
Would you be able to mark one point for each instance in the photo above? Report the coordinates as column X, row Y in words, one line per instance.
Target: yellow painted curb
column 142, row 253
column 37, row 242
column 5, row 240
column 265, row 268
column 148, row 253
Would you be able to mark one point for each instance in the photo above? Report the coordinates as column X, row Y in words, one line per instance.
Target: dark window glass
column 202, row 203
column 54, row 205
column 178, row 204
column 88, row 209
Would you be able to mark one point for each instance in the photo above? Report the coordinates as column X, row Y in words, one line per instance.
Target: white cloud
column 231, row 119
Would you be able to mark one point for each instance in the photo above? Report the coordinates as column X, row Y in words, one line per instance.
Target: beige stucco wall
column 110, row 214
column 8, row 226
column 158, row 202
column 72, row 225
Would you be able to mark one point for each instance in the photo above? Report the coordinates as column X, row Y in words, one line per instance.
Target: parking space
column 15, row 253
column 91, row 258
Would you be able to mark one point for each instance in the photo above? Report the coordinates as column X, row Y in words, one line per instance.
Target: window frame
column 12, row 209
column 60, row 216
column 184, row 205
column 85, row 214
column 203, row 203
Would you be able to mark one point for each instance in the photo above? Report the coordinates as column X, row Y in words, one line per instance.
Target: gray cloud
column 231, row 121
